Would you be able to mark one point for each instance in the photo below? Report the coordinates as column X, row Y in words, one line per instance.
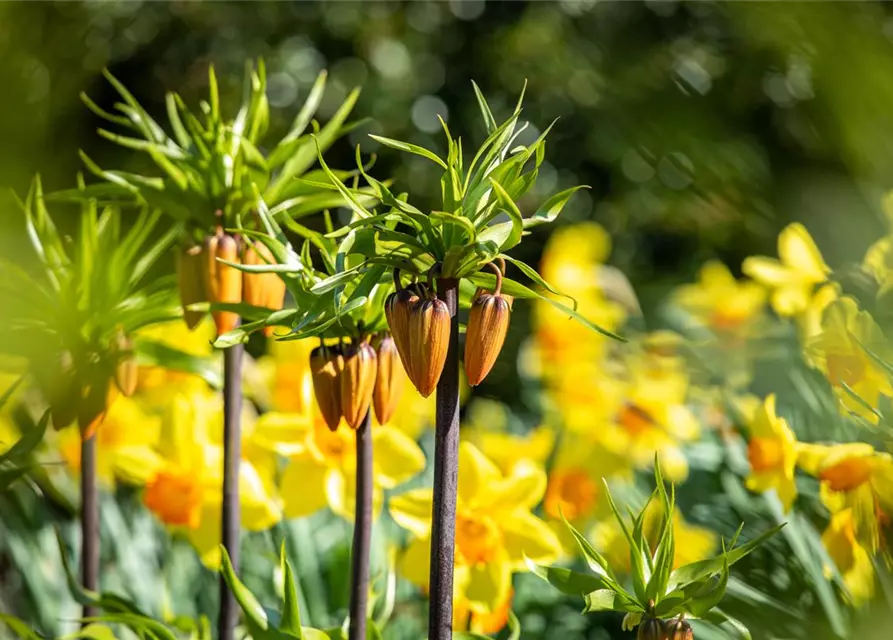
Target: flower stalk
column 232, row 455
column 362, row 532
column 446, row 476
column 89, row 522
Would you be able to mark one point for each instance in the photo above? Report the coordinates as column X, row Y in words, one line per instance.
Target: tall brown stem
column 362, row 532
column 446, row 477
column 232, row 456
column 89, row 521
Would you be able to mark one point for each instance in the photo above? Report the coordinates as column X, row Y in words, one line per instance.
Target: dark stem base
column 362, row 533
column 232, row 455
column 89, row 522
column 446, row 477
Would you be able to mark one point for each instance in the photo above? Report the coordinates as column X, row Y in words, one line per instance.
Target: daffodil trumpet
column 488, row 323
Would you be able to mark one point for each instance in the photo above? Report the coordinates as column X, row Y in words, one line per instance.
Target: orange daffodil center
column 572, row 493
column 175, row 496
column 772, row 454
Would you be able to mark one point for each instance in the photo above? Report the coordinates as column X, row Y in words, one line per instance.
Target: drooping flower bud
column 357, row 382
column 389, row 380
column 679, row 629
column 326, row 366
column 428, row 340
column 126, row 369
column 190, row 276
column 223, row 283
column 261, row 289
column 398, row 309
column 652, row 629
column 488, row 323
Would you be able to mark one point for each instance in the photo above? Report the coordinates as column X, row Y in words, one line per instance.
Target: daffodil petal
column 259, row 511
column 767, row 271
column 522, row 490
column 396, row 457
column 797, row 250
column 414, row 564
column 477, row 474
column 303, row 487
column 412, row 511
column 136, row 465
column 206, row 537
column 524, row 534
column 489, row 583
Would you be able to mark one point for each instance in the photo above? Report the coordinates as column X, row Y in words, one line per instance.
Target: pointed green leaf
column 410, row 148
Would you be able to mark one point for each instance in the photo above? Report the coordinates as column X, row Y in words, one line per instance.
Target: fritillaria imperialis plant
column 211, row 171
column 355, row 368
column 73, row 321
column 464, row 243
column 661, row 596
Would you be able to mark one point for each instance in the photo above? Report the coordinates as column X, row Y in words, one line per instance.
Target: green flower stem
column 446, row 476
column 89, row 522
column 232, row 455
column 362, row 532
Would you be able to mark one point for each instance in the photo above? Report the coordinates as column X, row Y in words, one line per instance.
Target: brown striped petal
column 223, row 282
column 389, row 380
column 261, row 289
column 190, row 268
column 429, row 337
column 357, row 383
column 398, row 313
column 326, row 365
column 488, row 323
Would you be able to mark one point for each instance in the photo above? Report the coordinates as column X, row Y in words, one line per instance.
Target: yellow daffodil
column 792, row 278
column 839, row 351
column 125, row 444
column 324, row 472
column 772, row 452
column 721, row 302
column 853, row 562
column 853, row 476
column 495, row 529
column 185, row 491
column 878, row 261
column 693, row 542
column 652, row 416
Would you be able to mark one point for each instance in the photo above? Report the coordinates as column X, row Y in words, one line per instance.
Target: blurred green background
column 703, row 128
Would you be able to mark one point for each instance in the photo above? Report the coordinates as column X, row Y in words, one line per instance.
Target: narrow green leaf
column 489, row 120
column 551, row 208
column 568, row 581
column 410, row 148
column 290, row 616
column 29, row 440
column 255, row 617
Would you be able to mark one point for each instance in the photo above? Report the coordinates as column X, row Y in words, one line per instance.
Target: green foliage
column 658, row 590
column 211, row 166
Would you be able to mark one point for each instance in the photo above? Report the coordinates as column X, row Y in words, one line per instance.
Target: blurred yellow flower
column 839, row 351
column 185, row 491
column 791, row 279
column 856, row 477
column 157, row 386
column 693, row 543
column 878, row 261
column 465, row 618
column 853, row 562
column 810, row 321
column 651, row 415
column 495, row 529
column 719, row 301
column 324, row 472
column 772, row 452
column 125, row 444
